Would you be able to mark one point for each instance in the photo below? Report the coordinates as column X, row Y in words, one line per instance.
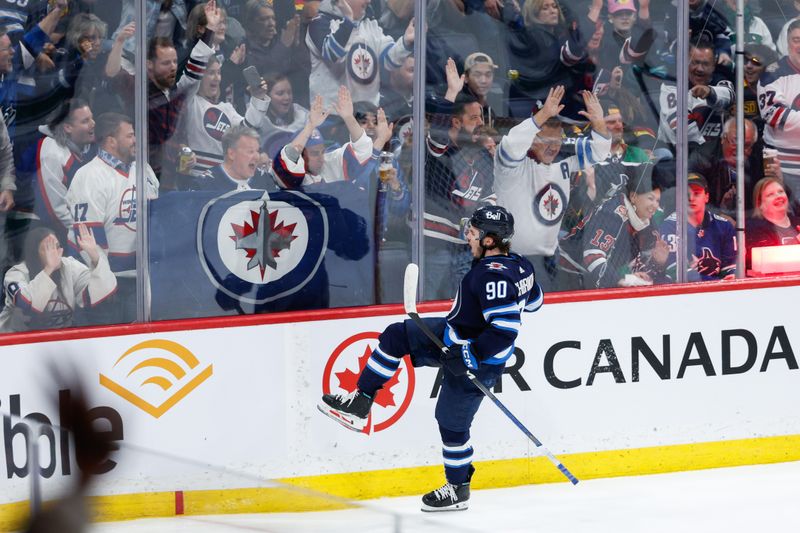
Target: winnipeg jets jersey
column 537, row 194
column 341, row 164
column 779, row 103
column 344, row 52
column 486, row 313
column 39, row 303
column 204, row 123
column 55, row 166
column 104, row 198
column 705, row 115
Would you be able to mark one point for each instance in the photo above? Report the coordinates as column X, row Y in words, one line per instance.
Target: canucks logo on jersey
column 256, row 248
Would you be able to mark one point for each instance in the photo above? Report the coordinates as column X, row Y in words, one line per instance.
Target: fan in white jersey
column 43, row 291
column 103, row 196
column 205, row 119
column 534, row 185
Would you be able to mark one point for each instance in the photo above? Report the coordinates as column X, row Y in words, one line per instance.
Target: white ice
column 730, row 500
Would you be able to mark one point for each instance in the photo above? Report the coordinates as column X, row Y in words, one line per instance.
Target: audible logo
column 155, row 375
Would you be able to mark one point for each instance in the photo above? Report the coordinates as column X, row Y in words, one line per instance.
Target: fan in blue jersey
column 711, row 239
column 479, row 331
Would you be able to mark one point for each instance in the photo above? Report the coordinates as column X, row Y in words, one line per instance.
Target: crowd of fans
column 563, row 111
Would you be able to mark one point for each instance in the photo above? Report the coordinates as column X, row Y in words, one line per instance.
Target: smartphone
column 252, row 77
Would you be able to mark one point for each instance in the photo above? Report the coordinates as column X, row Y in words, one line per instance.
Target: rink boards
column 613, row 386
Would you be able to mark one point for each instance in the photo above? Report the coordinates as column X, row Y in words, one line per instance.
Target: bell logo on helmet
column 493, row 216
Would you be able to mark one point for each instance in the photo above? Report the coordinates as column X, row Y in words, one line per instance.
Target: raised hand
column 455, row 82
column 345, row 8
column 238, row 55
column 128, row 31
column 344, row 102
column 552, row 105
column 50, row 254
column 213, row 15
column 408, row 36
column 594, row 111
column 383, row 131
column 317, row 113
column 88, row 244
column 290, row 36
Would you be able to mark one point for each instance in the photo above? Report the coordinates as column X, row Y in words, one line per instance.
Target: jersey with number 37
column 487, row 310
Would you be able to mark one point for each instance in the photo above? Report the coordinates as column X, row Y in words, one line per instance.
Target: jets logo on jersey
column 127, row 210
column 216, row 123
column 466, row 189
column 496, row 266
column 549, row 204
column 257, row 248
column 362, row 63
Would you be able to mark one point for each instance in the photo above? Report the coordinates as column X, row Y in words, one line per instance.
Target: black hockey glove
column 458, row 359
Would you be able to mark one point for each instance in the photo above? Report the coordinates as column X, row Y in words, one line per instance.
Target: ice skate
column 447, row 498
column 350, row 410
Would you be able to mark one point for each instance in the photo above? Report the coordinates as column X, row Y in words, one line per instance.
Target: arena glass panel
column 284, row 182
column 556, row 118
column 68, row 214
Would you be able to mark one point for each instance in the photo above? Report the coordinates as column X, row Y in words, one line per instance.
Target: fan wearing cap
column 756, row 59
column 304, row 161
column 711, row 238
column 627, row 36
column 479, row 83
column 533, row 183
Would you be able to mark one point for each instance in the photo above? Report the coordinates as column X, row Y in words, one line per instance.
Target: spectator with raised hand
column 166, row 94
column 303, row 161
column 459, row 177
column 283, row 113
column 348, row 48
column 533, row 182
column 543, row 52
column 206, row 119
column 44, row 290
column 271, row 49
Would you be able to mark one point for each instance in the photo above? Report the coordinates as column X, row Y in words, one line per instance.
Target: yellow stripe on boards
column 309, row 492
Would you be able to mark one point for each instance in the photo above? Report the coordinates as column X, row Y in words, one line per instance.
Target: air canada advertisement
column 200, row 406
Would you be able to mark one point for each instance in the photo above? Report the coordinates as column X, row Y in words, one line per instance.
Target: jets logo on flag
column 256, row 247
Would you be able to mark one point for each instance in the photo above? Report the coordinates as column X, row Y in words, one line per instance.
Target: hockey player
column 711, row 239
column 779, row 103
column 479, row 331
column 348, row 48
column 43, row 291
column 535, row 186
column 103, row 196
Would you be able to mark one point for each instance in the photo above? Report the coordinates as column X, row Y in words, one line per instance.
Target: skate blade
column 461, row 506
column 349, row 421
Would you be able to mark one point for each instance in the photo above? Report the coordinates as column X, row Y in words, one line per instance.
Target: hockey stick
column 410, row 304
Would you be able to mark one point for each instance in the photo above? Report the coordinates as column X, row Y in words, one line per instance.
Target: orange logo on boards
column 155, row 375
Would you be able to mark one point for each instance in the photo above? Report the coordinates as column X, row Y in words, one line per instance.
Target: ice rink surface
column 730, row 500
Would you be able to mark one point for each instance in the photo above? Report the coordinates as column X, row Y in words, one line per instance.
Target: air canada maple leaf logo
column 348, row 379
column 263, row 238
column 345, row 365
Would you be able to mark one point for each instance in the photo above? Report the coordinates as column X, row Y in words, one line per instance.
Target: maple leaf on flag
column 263, row 239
